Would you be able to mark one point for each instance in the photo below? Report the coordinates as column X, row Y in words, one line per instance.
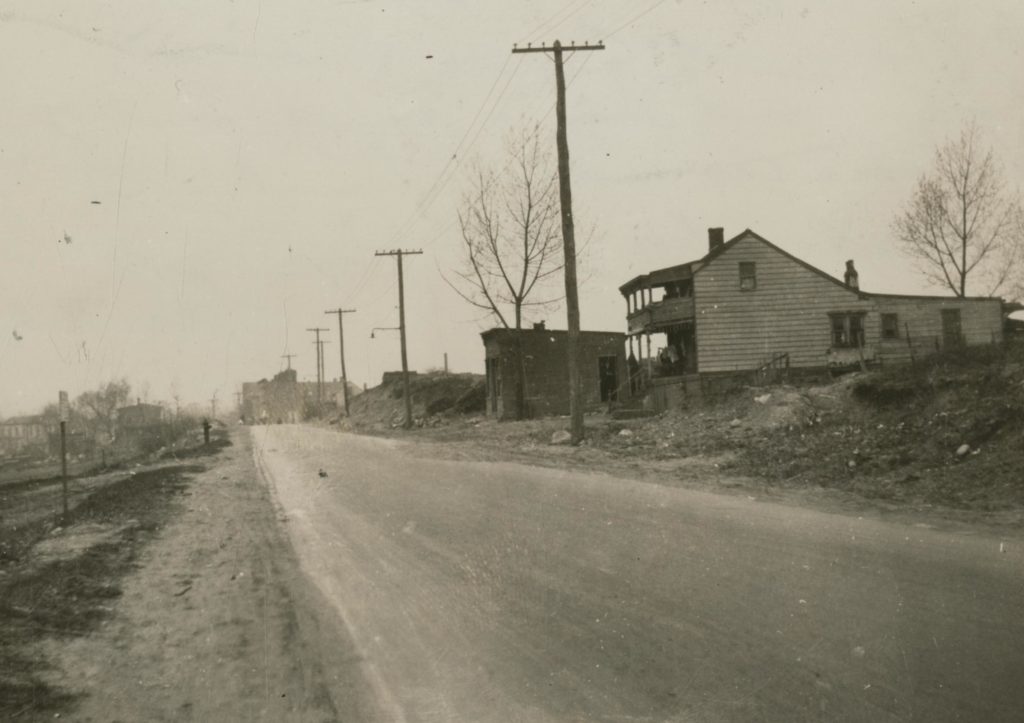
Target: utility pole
column 401, row 329
column 213, row 406
column 64, row 412
column 323, row 343
column 289, row 357
column 572, row 304
column 318, row 348
column 341, row 350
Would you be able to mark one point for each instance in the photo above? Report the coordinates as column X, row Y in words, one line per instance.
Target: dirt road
column 394, row 587
column 500, row 592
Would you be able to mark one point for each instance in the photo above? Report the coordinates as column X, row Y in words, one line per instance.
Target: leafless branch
column 960, row 223
column 511, row 232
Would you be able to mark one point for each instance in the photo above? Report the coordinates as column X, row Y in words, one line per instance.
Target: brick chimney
column 538, row 326
column 850, row 277
column 716, row 238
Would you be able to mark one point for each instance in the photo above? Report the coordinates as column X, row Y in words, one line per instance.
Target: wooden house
column 747, row 306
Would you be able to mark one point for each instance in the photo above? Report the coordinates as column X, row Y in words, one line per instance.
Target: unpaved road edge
column 218, row 622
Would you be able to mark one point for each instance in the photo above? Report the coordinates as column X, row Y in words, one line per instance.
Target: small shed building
column 542, row 356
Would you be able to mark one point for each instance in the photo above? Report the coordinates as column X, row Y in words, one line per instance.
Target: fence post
column 64, row 465
column 910, row 346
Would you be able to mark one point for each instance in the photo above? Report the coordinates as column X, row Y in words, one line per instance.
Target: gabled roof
column 692, row 268
column 747, row 233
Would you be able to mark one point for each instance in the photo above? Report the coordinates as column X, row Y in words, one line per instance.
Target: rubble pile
column 949, row 430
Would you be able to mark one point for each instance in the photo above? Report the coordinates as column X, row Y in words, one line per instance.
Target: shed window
column 847, row 329
column 890, row 326
column 748, row 276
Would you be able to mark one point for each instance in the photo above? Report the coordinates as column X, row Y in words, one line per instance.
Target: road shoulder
column 217, row 622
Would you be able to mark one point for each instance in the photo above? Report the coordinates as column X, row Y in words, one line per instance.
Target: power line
column 472, row 142
column 494, row 107
column 448, row 227
column 544, row 25
column 455, row 160
column 635, row 18
column 387, row 290
column 424, row 202
column 363, row 279
column 454, row 163
column 557, row 25
column 479, row 110
column 435, row 190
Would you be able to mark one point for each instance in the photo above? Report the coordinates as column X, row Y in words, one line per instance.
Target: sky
column 187, row 185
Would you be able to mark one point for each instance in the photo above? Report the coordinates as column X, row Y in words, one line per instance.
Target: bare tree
column 100, row 405
column 511, row 236
column 961, row 222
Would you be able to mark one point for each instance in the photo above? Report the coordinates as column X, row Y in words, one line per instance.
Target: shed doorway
column 493, row 368
column 609, row 378
column 952, row 332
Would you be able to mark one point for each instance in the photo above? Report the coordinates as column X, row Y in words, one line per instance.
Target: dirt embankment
column 436, row 398
column 946, row 432
column 170, row 593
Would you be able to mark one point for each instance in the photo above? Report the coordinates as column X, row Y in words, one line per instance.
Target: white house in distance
column 747, row 305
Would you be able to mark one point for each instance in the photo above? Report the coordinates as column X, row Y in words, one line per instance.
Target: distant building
column 26, row 434
column 286, row 400
column 141, row 416
column 543, row 353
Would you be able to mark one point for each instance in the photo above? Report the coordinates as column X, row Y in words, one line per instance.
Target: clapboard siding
column 789, row 311
column 786, row 313
column 920, row 324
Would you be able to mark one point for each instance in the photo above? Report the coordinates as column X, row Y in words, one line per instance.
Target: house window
column 847, row 329
column 748, row 276
column 890, row 326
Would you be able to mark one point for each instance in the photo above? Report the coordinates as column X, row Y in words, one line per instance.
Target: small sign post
column 65, row 413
